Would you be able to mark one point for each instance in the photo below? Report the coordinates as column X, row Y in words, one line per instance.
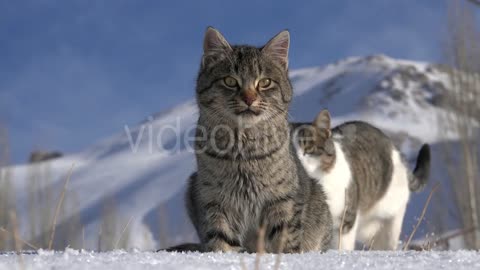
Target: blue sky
column 72, row 72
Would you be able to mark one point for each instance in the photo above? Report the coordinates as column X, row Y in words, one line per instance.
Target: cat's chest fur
column 245, row 188
column 249, row 181
column 335, row 181
column 257, row 168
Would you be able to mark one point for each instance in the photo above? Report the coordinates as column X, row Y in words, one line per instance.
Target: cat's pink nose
column 249, row 97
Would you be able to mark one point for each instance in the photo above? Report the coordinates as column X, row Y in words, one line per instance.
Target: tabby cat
column 249, row 178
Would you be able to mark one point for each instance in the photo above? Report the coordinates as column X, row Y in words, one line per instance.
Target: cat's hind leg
column 388, row 235
column 347, row 240
column 390, row 210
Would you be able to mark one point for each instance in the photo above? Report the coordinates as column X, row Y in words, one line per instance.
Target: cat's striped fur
column 249, row 176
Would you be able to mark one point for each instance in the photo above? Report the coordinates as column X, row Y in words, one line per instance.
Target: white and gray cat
column 359, row 161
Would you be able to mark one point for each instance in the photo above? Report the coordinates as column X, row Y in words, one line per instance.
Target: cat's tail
column 419, row 177
column 191, row 247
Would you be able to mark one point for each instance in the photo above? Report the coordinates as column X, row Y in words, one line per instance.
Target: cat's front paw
column 292, row 250
column 219, row 246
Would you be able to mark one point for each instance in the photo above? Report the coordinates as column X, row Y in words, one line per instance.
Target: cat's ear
column 215, row 46
column 214, row 42
column 277, row 48
column 323, row 121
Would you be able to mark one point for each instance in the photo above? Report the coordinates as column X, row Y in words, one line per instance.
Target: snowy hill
column 142, row 170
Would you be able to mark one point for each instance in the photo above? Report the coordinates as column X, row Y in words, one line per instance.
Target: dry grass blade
column 442, row 240
column 453, row 235
column 83, row 238
column 340, row 229
column 424, row 211
column 59, row 205
column 17, row 238
column 242, row 264
column 371, row 242
column 260, row 246
column 281, row 246
column 122, row 233
column 18, row 243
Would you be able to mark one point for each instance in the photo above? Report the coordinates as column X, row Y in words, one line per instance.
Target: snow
column 118, row 260
column 144, row 168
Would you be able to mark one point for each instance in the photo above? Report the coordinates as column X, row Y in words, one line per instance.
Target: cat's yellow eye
column 264, row 83
column 230, row 82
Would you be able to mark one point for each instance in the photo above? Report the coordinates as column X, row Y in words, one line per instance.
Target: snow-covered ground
column 143, row 168
column 118, row 260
